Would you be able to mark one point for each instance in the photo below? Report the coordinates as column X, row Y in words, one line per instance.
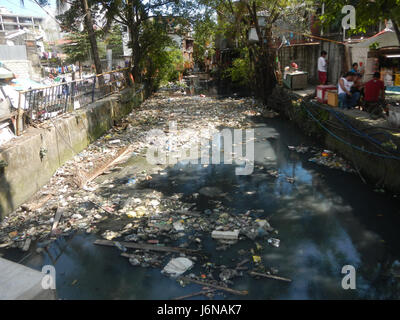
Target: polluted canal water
column 313, row 221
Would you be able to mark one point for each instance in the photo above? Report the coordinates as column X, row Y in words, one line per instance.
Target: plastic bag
column 394, row 117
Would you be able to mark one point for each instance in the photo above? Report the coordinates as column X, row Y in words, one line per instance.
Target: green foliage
column 148, row 24
column 170, row 64
column 113, row 41
column 368, row 13
column 204, row 38
column 374, row 46
column 78, row 48
column 161, row 60
column 235, row 19
column 240, row 71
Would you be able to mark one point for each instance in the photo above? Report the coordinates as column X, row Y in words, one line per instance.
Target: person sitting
column 358, row 86
column 347, row 100
column 355, row 68
column 374, row 96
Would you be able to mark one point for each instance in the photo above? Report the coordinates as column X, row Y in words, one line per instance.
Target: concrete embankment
column 367, row 144
column 30, row 160
column 18, row 282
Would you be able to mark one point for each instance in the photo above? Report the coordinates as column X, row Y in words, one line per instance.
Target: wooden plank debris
column 143, row 246
column 270, row 276
column 199, row 293
column 207, row 284
column 37, row 204
column 60, row 211
column 103, row 168
column 240, row 264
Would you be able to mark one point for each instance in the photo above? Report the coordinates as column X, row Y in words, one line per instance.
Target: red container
column 322, row 92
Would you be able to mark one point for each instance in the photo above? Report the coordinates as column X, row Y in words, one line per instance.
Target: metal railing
column 47, row 102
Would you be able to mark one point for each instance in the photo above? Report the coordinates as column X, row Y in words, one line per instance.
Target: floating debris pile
column 325, row 158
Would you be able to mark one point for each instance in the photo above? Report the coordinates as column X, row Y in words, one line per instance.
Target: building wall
column 12, row 52
column 21, row 68
column 22, row 60
column 9, row 21
column 306, row 56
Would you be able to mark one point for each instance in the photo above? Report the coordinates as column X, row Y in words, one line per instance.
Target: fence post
column 93, row 87
column 19, row 116
column 66, row 109
column 73, row 84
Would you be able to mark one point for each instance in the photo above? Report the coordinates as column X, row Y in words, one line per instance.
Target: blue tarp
column 26, row 84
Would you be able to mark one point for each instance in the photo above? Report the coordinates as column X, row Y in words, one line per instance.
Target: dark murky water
column 326, row 219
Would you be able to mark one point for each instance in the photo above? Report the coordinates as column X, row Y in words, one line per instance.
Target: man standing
column 322, row 68
column 347, row 99
column 374, row 91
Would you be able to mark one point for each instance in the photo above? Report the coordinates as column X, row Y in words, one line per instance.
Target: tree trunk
column 264, row 63
column 92, row 40
column 135, row 54
column 264, row 57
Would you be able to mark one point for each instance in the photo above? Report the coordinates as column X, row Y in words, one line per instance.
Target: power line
column 41, row 7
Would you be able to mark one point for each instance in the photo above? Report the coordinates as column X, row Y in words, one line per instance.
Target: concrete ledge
column 27, row 171
column 18, row 282
column 382, row 172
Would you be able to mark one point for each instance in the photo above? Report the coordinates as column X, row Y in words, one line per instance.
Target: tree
column 159, row 55
column 137, row 15
column 235, row 19
column 77, row 49
column 77, row 10
column 368, row 13
column 204, row 38
column 92, row 38
column 113, row 40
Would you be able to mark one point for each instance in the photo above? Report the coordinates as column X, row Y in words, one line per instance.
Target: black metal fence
column 44, row 103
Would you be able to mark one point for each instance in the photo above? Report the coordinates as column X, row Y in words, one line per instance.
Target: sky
column 30, row 7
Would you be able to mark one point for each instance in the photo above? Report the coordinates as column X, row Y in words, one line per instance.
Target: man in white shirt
column 347, row 99
column 322, row 68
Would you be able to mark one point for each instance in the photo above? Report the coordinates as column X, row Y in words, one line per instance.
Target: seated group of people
column 351, row 89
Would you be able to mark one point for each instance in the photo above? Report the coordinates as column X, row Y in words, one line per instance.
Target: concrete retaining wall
column 376, row 170
column 18, row 282
column 26, row 172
